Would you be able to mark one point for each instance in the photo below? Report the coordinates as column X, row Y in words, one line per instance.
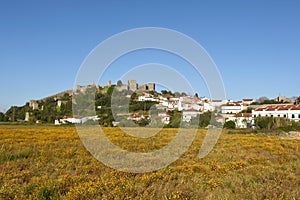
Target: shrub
column 229, row 125
column 272, row 122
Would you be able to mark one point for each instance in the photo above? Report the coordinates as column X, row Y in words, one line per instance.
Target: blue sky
column 255, row 44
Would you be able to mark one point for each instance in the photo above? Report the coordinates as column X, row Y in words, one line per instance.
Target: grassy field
column 47, row 162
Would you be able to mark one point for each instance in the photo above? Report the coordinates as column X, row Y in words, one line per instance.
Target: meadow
column 49, row 162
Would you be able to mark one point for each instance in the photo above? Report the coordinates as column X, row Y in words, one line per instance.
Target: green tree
column 272, row 122
column 248, row 110
column 297, row 100
column 143, row 122
column 16, row 113
column 135, row 106
column 175, row 119
column 3, row 117
column 165, row 92
column 155, row 121
column 133, row 97
column 205, row 119
column 264, row 122
column 229, row 125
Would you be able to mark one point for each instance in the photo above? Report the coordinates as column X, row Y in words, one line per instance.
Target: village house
column 289, row 111
column 208, row 107
column 218, row 103
column 187, row 115
column 247, row 101
column 283, row 99
column 241, row 120
column 70, row 119
column 147, row 98
column 188, row 103
column 75, row 119
column 138, row 117
column 165, row 118
column 232, row 108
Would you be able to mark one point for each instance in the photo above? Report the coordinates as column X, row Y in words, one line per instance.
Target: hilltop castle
column 133, row 86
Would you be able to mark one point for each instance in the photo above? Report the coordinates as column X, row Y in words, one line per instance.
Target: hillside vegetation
column 46, row 162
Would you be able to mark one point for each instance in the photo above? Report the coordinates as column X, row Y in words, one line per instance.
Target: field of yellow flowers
column 47, row 162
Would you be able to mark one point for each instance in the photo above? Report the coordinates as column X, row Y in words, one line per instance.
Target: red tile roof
column 296, row 107
column 216, row 101
column 259, row 109
column 243, row 115
column 279, row 107
column 232, row 104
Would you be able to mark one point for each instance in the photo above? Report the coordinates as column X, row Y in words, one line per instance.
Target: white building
column 176, row 99
column 247, row 101
column 138, row 117
column 165, row 118
column 147, row 98
column 75, row 119
column 232, row 108
column 60, row 102
column 188, row 103
column 208, row 107
column 289, row 111
column 72, row 119
column 242, row 120
column 187, row 115
column 218, row 103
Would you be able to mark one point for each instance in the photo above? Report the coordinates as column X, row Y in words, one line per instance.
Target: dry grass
column 51, row 163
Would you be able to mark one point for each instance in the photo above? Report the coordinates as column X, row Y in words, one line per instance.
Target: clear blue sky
column 255, row 44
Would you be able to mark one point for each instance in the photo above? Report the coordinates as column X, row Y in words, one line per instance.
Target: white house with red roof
column 188, row 103
column 247, row 101
column 289, row 111
column 137, row 116
column 165, row 117
column 218, row 103
column 232, row 108
column 242, row 120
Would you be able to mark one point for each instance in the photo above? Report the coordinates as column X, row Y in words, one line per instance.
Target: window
column 278, row 115
column 284, row 116
column 293, row 116
column 299, row 116
column 254, row 116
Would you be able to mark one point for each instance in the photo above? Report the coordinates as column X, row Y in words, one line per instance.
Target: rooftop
column 279, row 107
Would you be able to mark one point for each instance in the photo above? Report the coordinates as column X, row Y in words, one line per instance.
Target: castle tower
column 132, row 85
column 109, row 83
column 33, row 104
column 27, row 117
column 151, row 86
column 143, row 87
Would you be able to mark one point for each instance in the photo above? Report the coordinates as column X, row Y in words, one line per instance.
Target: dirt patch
column 293, row 134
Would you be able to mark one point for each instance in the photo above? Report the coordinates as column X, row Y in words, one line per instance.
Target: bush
column 229, row 125
column 272, row 122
